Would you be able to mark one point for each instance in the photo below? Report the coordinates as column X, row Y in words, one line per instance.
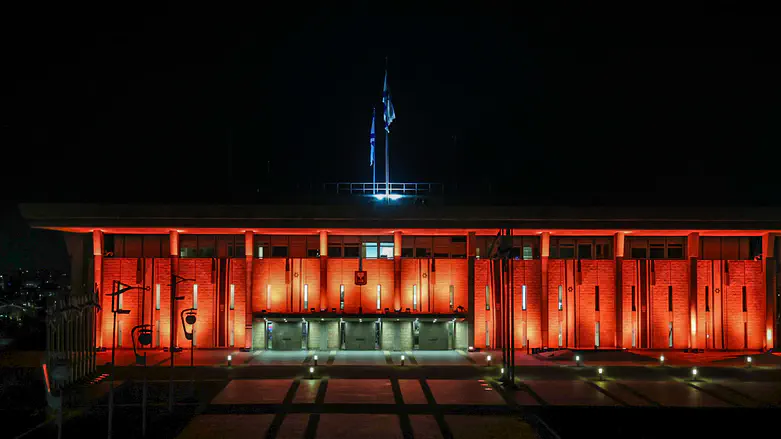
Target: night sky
column 585, row 107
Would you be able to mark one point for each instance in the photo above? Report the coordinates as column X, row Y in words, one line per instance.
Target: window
column 584, row 251
column 351, row 251
column 414, row 297
column 195, row 296
column 707, row 299
column 634, row 299
column 670, row 298
column 422, row 253
column 239, row 251
column 407, row 252
column 452, row 296
column 279, row 251
column 567, row 251
column 206, row 246
column 370, row 250
column 745, row 304
column 386, row 250
column 157, row 296
column 487, row 298
column 528, row 253
column 120, row 300
column 656, row 248
column 487, row 333
column 561, row 298
column 379, row 297
column 334, row 252
column 312, row 253
column 341, row 297
column 670, row 336
column 523, row 297
column 596, row 298
column 596, row 335
column 232, row 303
column 560, row 340
column 306, row 297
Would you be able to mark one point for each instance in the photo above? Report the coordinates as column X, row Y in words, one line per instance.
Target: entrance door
column 359, row 336
column 433, row 336
column 287, row 337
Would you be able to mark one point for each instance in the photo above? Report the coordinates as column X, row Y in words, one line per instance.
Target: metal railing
column 405, row 189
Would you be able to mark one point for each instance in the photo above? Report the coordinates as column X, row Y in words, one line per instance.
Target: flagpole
column 387, row 169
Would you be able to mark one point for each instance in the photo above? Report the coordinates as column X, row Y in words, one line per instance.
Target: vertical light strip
column 119, row 301
column 230, row 341
column 268, row 297
column 487, row 297
column 487, row 334
column 306, row 296
column 195, row 339
column 119, row 332
column 233, row 297
column 414, row 297
column 157, row 296
column 379, row 297
column 341, row 297
column 561, row 299
column 195, row 296
column 596, row 335
column 560, row 334
column 452, row 296
column 157, row 332
column 523, row 297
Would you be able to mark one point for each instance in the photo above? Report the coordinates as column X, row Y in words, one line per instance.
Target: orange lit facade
column 266, row 278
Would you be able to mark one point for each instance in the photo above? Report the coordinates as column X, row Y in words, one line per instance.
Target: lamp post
column 144, row 337
column 118, row 288
column 175, row 280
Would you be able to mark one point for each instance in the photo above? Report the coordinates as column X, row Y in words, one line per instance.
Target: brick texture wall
column 629, row 279
column 238, row 315
column 527, row 273
column 482, row 279
column 667, row 274
column 556, row 318
column 704, row 319
column 746, row 274
column 269, row 272
column 449, row 272
column 199, row 269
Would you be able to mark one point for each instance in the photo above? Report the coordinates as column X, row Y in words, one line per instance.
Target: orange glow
column 46, row 378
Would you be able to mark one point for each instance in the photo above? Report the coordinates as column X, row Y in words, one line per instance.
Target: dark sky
column 602, row 106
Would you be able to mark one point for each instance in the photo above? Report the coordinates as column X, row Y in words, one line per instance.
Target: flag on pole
column 372, row 139
column 389, row 114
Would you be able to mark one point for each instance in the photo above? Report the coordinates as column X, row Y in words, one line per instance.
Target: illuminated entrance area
column 351, row 333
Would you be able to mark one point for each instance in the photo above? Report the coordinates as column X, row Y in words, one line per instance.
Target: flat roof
column 379, row 218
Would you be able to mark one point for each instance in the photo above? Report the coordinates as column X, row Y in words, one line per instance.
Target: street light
column 117, row 289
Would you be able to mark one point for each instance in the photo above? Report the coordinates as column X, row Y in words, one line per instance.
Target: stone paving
column 438, row 408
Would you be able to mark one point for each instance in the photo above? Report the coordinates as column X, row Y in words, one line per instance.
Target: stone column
column 544, row 255
column 323, row 270
column 249, row 256
column 471, row 252
column 619, row 297
column 693, row 253
column 397, row 270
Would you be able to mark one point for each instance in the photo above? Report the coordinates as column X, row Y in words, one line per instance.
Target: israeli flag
column 390, row 113
column 372, row 139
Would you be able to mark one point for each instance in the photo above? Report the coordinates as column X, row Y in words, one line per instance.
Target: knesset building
column 284, row 276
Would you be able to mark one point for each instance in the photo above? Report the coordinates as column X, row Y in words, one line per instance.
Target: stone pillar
column 323, row 270
column 544, row 255
column 619, row 297
column 397, row 270
column 693, row 253
column 771, row 298
column 471, row 252
column 97, row 254
column 249, row 256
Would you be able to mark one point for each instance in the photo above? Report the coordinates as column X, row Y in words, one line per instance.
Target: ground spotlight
column 661, row 360
column 748, row 361
column 577, row 360
column 402, row 360
column 488, row 359
column 599, row 371
column 230, row 360
column 694, row 373
column 315, row 358
column 311, row 372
